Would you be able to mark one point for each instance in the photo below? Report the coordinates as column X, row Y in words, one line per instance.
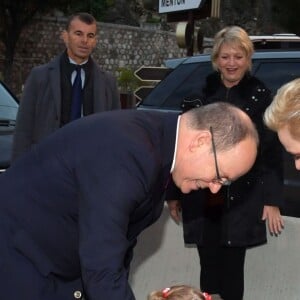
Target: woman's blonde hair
column 232, row 35
column 285, row 109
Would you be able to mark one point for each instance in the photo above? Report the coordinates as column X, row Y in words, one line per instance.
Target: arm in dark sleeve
column 272, row 156
column 111, row 191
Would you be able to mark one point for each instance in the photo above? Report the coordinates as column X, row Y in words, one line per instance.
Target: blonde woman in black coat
column 225, row 224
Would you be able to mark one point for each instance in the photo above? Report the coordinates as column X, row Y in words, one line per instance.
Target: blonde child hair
column 179, row 292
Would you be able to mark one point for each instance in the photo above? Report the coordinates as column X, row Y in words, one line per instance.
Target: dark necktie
column 77, row 95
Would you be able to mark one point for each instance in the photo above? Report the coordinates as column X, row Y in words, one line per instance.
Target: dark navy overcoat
column 72, row 207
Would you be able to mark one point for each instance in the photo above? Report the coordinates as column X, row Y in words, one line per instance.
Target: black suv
column 274, row 68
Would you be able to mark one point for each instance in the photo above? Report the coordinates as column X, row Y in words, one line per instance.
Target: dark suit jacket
column 40, row 107
column 75, row 203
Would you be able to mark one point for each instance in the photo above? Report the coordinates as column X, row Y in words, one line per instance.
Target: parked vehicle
column 276, row 41
column 8, row 113
column 188, row 74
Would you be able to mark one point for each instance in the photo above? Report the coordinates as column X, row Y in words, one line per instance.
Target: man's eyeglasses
column 218, row 179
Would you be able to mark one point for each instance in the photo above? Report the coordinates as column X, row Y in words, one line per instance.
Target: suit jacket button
column 77, row 295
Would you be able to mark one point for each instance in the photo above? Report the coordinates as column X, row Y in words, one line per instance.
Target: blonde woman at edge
column 283, row 116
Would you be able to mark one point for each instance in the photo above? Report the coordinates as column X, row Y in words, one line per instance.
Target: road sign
column 166, row 6
column 203, row 12
column 151, row 73
column 142, row 92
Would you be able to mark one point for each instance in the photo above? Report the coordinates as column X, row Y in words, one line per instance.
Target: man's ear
column 200, row 139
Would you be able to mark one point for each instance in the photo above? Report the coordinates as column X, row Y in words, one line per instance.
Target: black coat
column 238, row 216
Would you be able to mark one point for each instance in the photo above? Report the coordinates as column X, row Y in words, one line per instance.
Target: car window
column 276, row 73
column 8, row 105
column 185, row 81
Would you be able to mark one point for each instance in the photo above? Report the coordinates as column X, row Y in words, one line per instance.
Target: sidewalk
column 272, row 271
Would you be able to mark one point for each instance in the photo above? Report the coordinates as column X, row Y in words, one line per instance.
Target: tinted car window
column 276, row 73
column 186, row 80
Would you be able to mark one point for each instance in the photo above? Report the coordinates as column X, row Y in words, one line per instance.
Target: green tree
column 98, row 8
column 286, row 14
column 150, row 4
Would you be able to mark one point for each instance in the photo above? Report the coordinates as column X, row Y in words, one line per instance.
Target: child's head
column 179, row 292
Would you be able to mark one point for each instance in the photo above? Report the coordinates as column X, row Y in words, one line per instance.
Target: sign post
column 169, row 6
column 186, row 12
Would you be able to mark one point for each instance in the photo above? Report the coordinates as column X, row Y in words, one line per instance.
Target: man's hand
column 274, row 219
column 175, row 210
